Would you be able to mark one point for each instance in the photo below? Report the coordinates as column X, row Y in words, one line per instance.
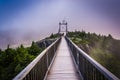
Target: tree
column 21, row 55
column 110, row 36
column 52, row 36
column 0, row 51
column 8, row 56
column 34, row 49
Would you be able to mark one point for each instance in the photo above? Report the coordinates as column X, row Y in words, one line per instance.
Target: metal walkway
column 63, row 67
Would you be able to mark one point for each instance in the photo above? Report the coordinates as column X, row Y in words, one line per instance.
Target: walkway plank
column 63, row 67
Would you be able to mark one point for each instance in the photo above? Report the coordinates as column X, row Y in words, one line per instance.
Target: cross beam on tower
column 65, row 25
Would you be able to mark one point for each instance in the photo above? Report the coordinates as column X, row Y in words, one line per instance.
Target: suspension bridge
column 63, row 60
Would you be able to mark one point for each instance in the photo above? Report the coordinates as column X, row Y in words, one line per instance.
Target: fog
column 37, row 20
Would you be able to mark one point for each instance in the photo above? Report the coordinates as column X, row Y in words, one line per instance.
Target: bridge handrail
column 43, row 60
column 89, row 68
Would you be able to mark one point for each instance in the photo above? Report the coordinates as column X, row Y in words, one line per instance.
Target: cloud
column 32, row 23
column 38, row 20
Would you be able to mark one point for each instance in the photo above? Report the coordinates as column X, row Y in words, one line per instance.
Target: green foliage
column 104, row 49
column 0, row 51
column 53, row 36
column 18, row 68
column 34, row 49
column 14, row 60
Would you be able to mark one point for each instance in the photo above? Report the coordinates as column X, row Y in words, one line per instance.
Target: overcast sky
column 22, row 21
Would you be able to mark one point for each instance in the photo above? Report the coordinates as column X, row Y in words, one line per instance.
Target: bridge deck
column 63, row 67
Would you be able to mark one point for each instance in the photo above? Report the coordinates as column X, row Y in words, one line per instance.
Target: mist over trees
column 104, row 49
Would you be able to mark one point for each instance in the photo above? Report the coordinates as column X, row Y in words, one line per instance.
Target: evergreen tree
column 0, row 51
column 52, row 36
column 34, row 49
column 110, row 36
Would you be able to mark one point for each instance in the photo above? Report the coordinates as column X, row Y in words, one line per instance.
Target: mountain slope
column 104, row 49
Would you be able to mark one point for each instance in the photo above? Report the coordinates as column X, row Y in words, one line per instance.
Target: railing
column 88, row 67
column 38, row 68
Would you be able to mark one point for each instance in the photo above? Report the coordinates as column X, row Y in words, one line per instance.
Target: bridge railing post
column 88, row 67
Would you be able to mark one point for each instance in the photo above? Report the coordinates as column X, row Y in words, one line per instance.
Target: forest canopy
column 12, row 61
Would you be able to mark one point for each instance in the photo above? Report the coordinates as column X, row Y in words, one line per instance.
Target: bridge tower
column 61, row 25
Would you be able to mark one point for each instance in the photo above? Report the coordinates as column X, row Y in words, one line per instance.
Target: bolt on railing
column 88, row 67
column 38, row 68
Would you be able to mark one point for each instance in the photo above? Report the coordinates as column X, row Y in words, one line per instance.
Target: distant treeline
column 104, row 49
column 12, row 61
